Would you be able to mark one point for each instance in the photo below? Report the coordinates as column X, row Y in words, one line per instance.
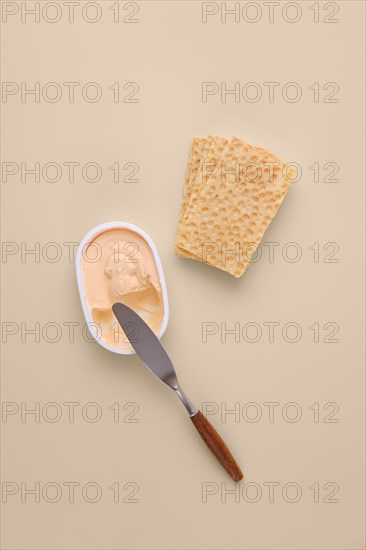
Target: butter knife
column 148, row 347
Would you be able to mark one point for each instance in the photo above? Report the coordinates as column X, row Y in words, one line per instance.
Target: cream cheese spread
column 118, row 265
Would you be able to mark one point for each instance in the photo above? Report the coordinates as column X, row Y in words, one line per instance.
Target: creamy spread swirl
column 118, row 265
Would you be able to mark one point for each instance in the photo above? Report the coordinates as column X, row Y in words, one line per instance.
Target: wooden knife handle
column 216, row 445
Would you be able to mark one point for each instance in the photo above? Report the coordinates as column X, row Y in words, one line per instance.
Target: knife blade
column 150, row 350
column 146, row 344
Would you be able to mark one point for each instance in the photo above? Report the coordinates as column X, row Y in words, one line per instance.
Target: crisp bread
column 211, row 152
column 194, row 162
column 235, row 207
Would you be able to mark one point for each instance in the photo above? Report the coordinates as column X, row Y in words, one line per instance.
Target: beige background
column 169, row 53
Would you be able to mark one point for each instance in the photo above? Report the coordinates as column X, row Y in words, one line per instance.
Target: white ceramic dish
column 79, row 256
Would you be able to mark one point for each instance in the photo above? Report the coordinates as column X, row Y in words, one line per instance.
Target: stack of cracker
column 232, row 192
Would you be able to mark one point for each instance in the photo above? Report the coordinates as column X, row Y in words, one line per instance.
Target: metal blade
column 146, row 344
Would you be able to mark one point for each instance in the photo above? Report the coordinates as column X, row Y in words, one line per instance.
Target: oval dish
column 118, row 262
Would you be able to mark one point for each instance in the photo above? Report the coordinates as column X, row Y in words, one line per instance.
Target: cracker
column 211, row 152
column 211, row 155
column 195, row 156
column 235, row 207
column 194, row 161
